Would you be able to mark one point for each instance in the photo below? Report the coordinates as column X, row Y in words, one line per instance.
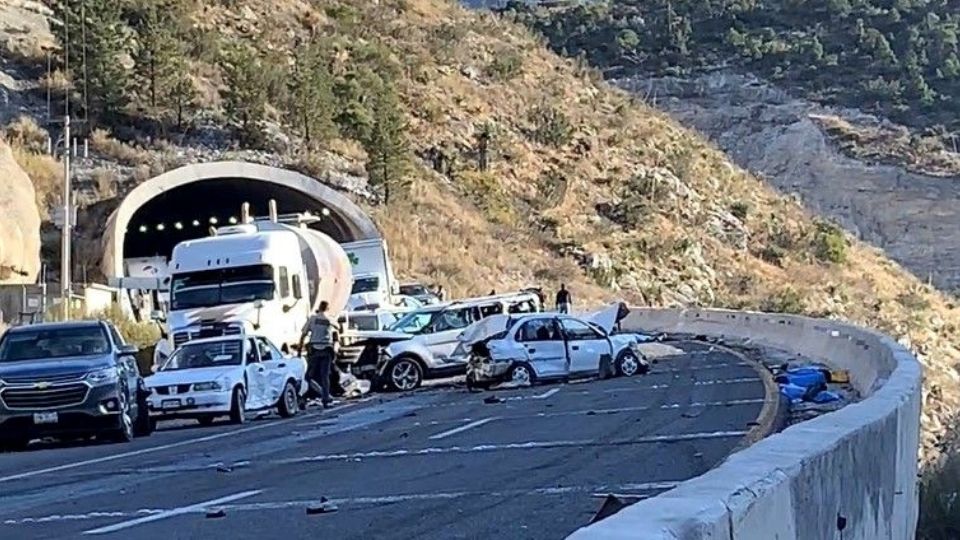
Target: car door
column 446, row 326
column 256, row 374
column 543, row 343
column 127, row 368
column 277, row 369
column 585, row 346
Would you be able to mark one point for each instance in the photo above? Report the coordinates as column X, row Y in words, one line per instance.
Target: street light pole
column 67, row 225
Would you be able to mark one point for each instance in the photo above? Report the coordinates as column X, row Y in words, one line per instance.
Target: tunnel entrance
column 184, row 203
column 188, row 212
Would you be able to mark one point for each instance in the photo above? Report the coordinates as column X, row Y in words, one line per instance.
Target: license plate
column 46, row 418
column 170, row 404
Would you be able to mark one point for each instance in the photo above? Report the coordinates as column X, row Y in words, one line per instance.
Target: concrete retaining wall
column 857, row 465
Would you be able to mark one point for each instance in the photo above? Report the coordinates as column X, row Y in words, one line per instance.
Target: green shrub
column 787, row 300
column 740, row 210
column 141, row 334
column 505, row 66
column 550, row 126
column 830, row 244
column 940, row 502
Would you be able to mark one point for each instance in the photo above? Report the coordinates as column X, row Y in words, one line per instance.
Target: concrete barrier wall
column 857, row 465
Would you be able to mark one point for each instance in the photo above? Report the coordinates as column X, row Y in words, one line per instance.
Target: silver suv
column 69, row 380
column 431, row 352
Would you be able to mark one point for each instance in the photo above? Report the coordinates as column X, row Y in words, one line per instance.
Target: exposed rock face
column 19, row 223
column 914, row 218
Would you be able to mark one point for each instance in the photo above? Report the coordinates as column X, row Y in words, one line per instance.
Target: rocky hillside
column 862, row 171
column 506, row 165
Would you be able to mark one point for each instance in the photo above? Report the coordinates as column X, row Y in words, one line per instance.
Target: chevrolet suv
column 69, row 380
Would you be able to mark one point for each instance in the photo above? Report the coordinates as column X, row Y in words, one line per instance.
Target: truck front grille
column 45, row 398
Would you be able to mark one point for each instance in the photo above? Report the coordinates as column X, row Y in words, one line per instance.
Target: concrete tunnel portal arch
column 180, row 204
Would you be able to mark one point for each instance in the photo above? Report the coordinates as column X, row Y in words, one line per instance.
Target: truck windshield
column 365, row 284
column 222, row 286
column 201, row 355
column 51, row 343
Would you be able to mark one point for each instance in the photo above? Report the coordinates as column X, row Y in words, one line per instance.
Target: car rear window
column 52, row 343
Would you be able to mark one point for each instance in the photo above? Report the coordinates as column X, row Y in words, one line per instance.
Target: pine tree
column 159, row 58
column 94, row 38
column 246, row 91
column 387, row 146
column 312, row 104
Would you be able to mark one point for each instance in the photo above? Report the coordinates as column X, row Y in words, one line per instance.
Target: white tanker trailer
column 263, row 275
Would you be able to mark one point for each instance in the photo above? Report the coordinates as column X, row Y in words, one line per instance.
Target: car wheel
column 125, row 432
column 238, row 412
column 14, row 445
column 289, row 404
column 628, row 364
column 405, row 375
column 207, row 420
column 522, row 374
column 144, row 425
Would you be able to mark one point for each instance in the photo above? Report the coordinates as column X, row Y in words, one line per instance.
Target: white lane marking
column 461, row 429
column 141, row 452
column 547, row 394
column 360, row 501
column 173, row 512
column 532, row 445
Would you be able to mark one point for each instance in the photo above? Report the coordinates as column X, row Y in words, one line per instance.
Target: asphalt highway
column 438, row 463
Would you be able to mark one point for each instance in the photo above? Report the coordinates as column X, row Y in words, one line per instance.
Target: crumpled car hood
column 608, row 317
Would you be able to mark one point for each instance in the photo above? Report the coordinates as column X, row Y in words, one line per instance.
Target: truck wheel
column 404, row 374
column 238, row 407
column 289, row 403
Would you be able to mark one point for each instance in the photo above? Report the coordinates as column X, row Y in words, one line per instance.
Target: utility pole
column 67, row 225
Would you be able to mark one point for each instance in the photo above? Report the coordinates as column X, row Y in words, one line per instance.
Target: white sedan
column 542, row 346
column 226, row 376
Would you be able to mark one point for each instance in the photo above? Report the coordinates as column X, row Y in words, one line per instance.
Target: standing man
column 563, row 299
column 321, row 351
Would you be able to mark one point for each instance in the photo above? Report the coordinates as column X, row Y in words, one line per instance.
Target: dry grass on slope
column 693, row 229
column 588, row 186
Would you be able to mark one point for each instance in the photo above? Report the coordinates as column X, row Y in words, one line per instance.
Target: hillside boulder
column 19, row 222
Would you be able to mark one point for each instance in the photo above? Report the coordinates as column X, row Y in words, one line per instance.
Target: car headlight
column 212, row 386
column 102, row 376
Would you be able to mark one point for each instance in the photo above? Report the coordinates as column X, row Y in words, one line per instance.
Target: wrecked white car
column 548, row 346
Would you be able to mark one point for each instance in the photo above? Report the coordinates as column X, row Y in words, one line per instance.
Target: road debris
column 324, row 506
column 493, row 399
column 216, row 513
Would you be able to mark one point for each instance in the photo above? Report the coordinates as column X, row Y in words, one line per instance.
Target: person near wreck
column 321, row 337
column 564, row 301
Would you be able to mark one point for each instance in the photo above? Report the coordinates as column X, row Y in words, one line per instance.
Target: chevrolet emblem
column 41, row 385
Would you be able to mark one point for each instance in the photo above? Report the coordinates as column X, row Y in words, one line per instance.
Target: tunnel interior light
column 178, row 226
column 213, row 220
column 233, row 220
column 161, row 226
column 325, row 211
column 143, row 228
column 196, row 223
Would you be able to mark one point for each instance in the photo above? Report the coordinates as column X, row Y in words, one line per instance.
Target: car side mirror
column 258, row 304
column 128, row 350
column 157, row 315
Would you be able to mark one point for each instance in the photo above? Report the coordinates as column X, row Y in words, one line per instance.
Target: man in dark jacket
column 564, row 301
